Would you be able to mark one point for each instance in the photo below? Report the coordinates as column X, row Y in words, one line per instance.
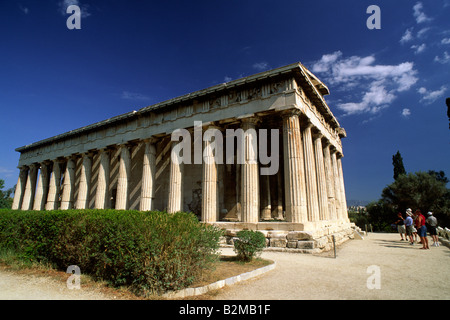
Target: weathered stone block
column 276, row 234
column 299, row 235
column 279, row 243
column 321, row 242
column 292, row 244
column 306, row 244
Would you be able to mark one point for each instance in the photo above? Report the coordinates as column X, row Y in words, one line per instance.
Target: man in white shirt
column 409, row 224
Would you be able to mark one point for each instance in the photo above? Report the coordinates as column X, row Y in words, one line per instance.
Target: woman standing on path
column 421, row 229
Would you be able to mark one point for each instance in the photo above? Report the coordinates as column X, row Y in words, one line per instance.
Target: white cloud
column 326, row 61
column 406, row 112
column 445, row 41
column 421, row 32
column 133, row 96
column 379, row 84
column 227, row 79
column 374, row 100
column 6, row 172
column 66, row 3
column 420, row 16
column 419, row 48
column 445, row 58
column 261, row 66
column 431, row 96
column 407, row 36
column 355, row 68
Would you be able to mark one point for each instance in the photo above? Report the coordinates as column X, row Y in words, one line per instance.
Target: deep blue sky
column 388, row 86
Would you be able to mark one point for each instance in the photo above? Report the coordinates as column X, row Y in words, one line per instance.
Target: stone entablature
column 125, row 162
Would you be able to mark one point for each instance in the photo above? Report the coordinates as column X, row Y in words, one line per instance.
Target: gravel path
column 15, row 286
column 406, row 272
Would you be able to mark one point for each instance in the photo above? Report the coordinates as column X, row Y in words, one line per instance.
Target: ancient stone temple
column 278, row 168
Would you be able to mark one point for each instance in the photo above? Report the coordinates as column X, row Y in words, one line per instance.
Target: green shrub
column 249, row 244
column 152, row 252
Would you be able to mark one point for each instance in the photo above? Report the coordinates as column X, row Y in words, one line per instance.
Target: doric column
column 210, row 206
column 279, row 196
column 68, row 185
column 329, row 174
column 123, row 179
column 20, row 188
column 294, row 171
column 310, row 174
column 344, row 213
column 266, row 211
column 250, row 172
column 175, row 201
column 54, row 187
column 85, row 182
column 102, row 199
column 337, row 184
column 30, row 188
column 42, row 188
column 321, row 178
column 148, row 176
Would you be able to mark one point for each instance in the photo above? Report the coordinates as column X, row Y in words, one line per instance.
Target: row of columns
column 314, row 184
column 313, row 179
column 46, row 194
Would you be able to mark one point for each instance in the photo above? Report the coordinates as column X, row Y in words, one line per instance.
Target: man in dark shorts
column 431, row 227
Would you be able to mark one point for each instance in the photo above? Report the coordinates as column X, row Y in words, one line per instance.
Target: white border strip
column 188, row 292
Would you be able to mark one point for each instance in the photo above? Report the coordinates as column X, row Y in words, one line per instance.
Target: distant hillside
column 357, row 203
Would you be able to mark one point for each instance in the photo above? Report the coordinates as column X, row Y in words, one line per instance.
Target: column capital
column 87, row 154
column 34, row 166
column 290, row 113
column 151, row 140
column 326, row 143
column 308, row 124
column 124, row 145
column 317, row 135
column 66, row 159
column 22, row 169
column 212, row 125
column 250, row 119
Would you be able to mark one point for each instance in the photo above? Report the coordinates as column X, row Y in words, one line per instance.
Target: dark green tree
column 439, row 175
column 5, row 196
column 420, row 190
column 380, row 215
column 397, row 162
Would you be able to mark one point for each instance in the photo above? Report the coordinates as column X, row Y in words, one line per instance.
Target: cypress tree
column 397, row 162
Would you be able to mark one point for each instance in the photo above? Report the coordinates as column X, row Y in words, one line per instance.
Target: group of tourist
column 416, row 225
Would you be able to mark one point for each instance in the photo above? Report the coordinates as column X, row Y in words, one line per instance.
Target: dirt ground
column 401, row 271
column 378, row 267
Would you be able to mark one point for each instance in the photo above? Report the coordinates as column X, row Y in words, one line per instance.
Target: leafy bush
column 152, row 252
column 249, row 244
